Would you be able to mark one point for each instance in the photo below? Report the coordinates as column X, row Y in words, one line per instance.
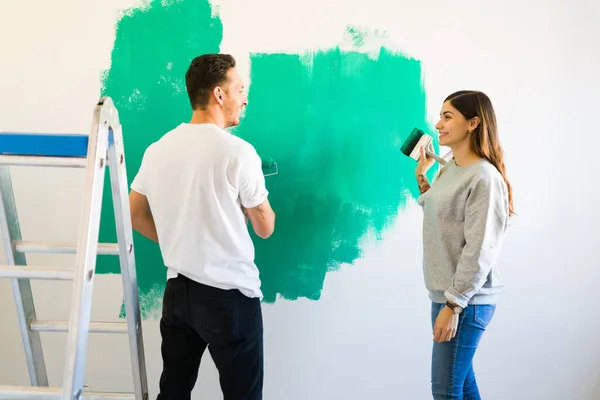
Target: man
column 196, row 188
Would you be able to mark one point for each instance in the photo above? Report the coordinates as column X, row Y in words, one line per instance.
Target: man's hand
column 445, row 325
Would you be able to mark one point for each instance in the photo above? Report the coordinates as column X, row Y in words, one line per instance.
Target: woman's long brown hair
column 484, row 139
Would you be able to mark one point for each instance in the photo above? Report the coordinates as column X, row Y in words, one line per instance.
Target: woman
column 466, row 212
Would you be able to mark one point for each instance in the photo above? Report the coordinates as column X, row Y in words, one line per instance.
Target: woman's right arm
column 425, row 162
column 423, row 183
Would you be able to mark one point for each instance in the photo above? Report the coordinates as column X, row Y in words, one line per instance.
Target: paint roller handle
column 436, row 157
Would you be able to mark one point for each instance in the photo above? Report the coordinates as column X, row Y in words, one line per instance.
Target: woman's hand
column 425, row 162
column 445, row 325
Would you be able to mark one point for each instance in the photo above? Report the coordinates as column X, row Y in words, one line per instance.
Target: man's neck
column 208, row 116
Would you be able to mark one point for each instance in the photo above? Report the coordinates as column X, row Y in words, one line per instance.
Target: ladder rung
column 61, row 247
column 41, row 161
column 63, row 326
column 52, row 393
column 10, row 271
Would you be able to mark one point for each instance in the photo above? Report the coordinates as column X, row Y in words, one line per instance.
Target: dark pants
column 195, row 316
column 452, row 373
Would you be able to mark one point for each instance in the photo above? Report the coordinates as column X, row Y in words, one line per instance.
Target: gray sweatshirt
column 465, row 218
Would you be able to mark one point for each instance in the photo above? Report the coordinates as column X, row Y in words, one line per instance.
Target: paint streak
column 333, row 121
column 356, row 35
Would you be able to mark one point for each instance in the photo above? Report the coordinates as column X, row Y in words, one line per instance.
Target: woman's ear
column 474, row 123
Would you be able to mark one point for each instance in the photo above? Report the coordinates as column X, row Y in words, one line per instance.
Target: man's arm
column 141, row 217
column 253, row 195
column 262, row 218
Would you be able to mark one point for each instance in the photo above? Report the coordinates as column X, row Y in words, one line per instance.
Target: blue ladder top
column 45, row 145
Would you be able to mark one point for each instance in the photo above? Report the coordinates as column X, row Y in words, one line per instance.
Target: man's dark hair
column 206, row 72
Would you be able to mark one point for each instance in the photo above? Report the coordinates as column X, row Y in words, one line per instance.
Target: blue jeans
column 452, row 375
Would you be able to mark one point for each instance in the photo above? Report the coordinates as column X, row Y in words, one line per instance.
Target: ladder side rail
column 120, row 194
column 21, row 288
column 89, row 228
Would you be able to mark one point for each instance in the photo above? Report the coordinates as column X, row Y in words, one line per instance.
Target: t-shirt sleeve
column 138, row 184
column 251, row 180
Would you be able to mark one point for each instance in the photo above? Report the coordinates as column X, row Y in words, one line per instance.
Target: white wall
column 369, row 336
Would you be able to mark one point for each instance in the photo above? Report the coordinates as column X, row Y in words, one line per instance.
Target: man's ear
column 219, row 94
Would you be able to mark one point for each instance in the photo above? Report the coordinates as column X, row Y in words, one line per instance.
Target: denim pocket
column 221, row 320
column 251, row 317
column 484, row 313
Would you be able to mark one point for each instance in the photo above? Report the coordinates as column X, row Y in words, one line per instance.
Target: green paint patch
column 333, row 122
column 146, row 80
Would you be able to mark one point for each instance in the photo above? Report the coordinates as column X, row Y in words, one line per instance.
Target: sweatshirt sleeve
column 486, row 216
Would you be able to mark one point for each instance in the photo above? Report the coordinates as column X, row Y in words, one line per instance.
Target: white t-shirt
column 196, row 177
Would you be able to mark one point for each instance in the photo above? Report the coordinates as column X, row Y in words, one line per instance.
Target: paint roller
column 413, row 143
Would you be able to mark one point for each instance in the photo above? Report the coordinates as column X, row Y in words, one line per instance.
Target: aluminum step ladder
column 102, row 147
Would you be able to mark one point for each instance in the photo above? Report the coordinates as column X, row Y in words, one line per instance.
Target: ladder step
column 43, row 150
column 52, row 393
column 61, row 247
column 63, row 326
column 10, row 271
column 43, row 144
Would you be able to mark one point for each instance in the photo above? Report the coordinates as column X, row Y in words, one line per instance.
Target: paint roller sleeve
column 267, row 162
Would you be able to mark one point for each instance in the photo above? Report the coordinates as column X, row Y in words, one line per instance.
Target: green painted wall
column 333, row 121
